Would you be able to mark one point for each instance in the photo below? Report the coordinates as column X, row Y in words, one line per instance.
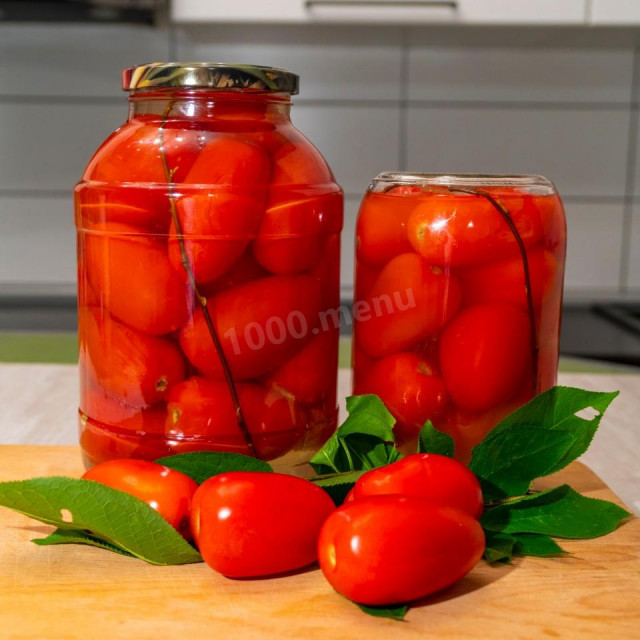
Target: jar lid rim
column 464, row 179
column 210, row 75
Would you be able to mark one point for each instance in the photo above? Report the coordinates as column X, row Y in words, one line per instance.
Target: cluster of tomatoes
column 443, row 323
column 405, row 530
column 243, row 207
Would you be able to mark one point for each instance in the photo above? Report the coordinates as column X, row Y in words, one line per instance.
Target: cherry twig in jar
column 506, row 216
column 202, row 301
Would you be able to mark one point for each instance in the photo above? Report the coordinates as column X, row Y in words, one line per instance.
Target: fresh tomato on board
column 485, row 354
column 436, row 478
column 410, row 300
column 133, row 278
column 390, row 549
column 202, row 408
column 411, row 389
column 463, row 230
column 249, row 524
column 167, row 491
column 261, row 324
column 134, row 368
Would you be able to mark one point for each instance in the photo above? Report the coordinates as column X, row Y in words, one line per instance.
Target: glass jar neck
column 209, row 105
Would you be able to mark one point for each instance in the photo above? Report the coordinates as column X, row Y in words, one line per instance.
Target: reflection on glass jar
column 208, row 252
column 458, row 299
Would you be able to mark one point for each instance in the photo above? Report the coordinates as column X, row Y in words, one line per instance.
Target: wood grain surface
column 71, row 591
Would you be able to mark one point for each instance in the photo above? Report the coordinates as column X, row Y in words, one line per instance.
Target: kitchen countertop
column 39, row 406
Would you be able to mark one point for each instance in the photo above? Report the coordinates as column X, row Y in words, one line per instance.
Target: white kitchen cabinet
column 522, row 12
column 615, row 12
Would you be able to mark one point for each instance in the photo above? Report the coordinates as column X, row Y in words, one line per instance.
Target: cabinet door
column 615, row 12
column 414, row 12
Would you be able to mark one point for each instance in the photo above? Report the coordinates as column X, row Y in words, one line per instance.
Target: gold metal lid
column 210, row 75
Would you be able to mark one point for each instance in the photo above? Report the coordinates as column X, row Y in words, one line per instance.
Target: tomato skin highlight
column 391, row 549
column 464, row 230
column 485, row 352
column 436, row 478
column 250, row 524
column 167, row 491
column 411, row 389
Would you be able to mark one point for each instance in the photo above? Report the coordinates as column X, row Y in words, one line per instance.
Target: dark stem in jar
column 506, row 216
column 202, row 301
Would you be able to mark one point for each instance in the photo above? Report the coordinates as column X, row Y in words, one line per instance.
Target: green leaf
column 507, row 464
column 434, row 441
column 558, row 512
column 201, row 465
column 76, row 536
column 536, row 544
column 499, row 547
column 105, row 514
column 538, row 439
column 337, row 485
column 395, row 613
column 364, row 441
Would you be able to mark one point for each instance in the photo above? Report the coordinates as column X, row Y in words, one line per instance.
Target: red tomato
column 436, row 478
column 485, row 353
column 167, row 491
column 249, row 524
column 294, row 229
column 133, row 278
column 299, row 163
column 243, row 270
column 231, row 162
column 96, row 207
column 384, row 550
column 136, row 369
column 204, row 408
column 216, row 229
column 381, row 229
column 310, row 376
column 261, row 324
column 133, row 155
column 455, row 230
column 504, row 281
column 409, row 301
column 410, row 388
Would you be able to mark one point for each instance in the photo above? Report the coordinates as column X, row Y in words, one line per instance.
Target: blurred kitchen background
column 512, row 86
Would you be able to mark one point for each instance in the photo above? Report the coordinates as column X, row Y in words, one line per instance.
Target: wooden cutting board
column 72, row 591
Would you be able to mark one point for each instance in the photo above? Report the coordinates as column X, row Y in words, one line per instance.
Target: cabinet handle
column 369, row 4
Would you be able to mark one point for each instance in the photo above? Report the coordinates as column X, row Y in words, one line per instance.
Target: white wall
column 552, row 102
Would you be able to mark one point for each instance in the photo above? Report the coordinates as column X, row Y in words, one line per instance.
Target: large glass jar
column 458, row 299
column 208, row 256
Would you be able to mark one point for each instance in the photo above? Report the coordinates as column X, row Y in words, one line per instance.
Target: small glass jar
column 208, row 253
column 458, row 297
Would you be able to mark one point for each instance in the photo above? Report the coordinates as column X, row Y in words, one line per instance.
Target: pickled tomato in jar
column 208, row 257
column 458, row 296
